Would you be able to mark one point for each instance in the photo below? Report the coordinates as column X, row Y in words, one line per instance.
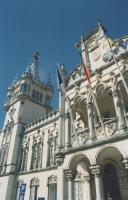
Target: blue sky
column 52, row 27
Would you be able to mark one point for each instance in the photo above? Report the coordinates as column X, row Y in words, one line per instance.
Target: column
column 91, row 123
column 87, row 191
column 98, row 182
column 67, row 131
column 70, row 175
column 119, row 107
column 125, row 162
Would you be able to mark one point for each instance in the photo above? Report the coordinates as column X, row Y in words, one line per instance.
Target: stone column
column 67, row 131
column 119, row 107
column 91, row 121
column 88, row 188
column 125, row 162
column 70, row 175
column 98, row 182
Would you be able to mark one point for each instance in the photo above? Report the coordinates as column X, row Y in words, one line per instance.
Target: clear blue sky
column 52, row 27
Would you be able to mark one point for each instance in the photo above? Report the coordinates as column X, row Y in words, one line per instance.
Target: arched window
column 5, row 147
column 24, row 153
column 78, row 187
column 34, row 184
column 52, row 146
column 52, row 188
column 37, row 152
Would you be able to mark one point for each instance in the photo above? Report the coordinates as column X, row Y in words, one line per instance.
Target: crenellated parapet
column 48, row 118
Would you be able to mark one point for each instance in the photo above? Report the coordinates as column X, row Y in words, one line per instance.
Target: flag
column 87, row 73
column 60, row 82
column 59, row 78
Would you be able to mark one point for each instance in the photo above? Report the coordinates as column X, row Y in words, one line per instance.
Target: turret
column 30, row 91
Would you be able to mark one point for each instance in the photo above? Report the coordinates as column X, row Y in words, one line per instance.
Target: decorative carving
column 70, row 174
column 34, row 182
column 52, row 180
column 110, row 129
column 125, row 162
column 60, row 158
column 96, row 54
column 11, row 113
column 95, row 169
column 82, row 136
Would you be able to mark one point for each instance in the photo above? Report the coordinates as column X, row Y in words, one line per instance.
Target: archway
column 110, row 183
column 81, row 182
column 113, row 173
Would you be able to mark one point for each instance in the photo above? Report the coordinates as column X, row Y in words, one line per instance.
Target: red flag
column 87, row 72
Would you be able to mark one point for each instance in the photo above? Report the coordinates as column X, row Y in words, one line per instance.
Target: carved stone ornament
column 34, row 182
column 59, row 158
column 110, row 129
column 52, row 180
column 11, row 113
column 95, row 169
column 125, row 162
column 82, row 136
column 96, row 54
column 70, row 174
column 93, row 45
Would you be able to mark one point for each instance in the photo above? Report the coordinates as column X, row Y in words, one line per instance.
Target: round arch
column 78, row 158
column 108, row 152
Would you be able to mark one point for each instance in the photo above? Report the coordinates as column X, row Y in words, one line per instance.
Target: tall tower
column 27, row 99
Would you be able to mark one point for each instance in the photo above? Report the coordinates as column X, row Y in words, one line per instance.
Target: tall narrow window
column 78, row 188
column 37, row 153
column 52, row 188
column 34, row 184
column 52, row 146
column 24, row 153
column 5, row 147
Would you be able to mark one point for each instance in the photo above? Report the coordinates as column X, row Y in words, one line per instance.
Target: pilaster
column 95, row 169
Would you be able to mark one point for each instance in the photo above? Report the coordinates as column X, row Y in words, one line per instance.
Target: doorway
column 110, row 183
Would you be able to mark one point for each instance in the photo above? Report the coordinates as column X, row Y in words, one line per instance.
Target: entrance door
column 110, row 182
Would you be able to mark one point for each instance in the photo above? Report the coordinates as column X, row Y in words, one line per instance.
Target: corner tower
column 27, row 99
column 29, row 94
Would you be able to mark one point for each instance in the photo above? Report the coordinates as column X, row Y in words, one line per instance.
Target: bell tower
column 27, row 99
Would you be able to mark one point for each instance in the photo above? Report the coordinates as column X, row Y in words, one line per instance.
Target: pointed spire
column 49, row 83
column 34, row 66
column 49, row 79
column 101, row 26
column 15, row 80
column 28, row 71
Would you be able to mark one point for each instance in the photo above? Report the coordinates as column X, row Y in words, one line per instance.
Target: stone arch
column 52, row 179
column 34, row 182
column 109, row 158
column 103, row 96
column 110, row 151
column 78, row 158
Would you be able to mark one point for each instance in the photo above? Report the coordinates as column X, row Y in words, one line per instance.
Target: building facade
column 80, row 151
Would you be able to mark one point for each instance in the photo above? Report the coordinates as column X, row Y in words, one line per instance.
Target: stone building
column 80, row 151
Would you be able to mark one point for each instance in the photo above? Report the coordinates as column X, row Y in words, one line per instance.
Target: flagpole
column 63, row 90
column 115, row 60
column 91, row 89
column 96, row 105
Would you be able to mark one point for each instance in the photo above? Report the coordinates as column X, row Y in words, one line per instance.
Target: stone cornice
column 38, row 170
column 97, row 143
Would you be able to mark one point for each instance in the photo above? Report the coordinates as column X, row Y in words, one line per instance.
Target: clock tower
column 27, row 99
